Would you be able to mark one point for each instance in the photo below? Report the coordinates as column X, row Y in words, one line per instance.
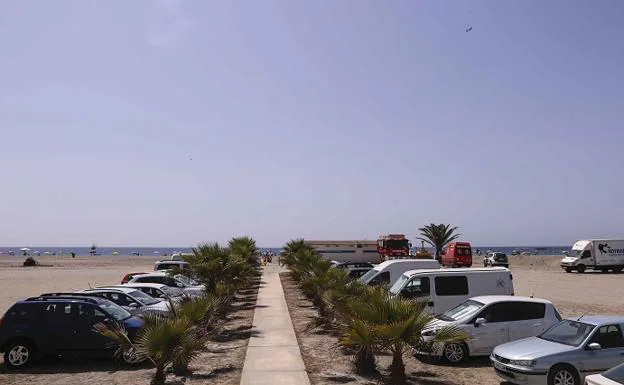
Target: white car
column 613, row 376
column 178, row 281
column 130, row 299
column 489, row 321
column 156, row 290
column 170, row 264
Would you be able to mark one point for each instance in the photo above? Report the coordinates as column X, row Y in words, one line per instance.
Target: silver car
column 563, row 354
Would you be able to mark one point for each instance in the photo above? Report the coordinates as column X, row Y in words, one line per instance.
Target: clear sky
column 161, row 123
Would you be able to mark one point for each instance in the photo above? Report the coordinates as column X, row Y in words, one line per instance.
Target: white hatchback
column 489, row 321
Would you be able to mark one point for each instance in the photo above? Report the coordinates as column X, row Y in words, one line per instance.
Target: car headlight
column 526, row 363
column 430, row 333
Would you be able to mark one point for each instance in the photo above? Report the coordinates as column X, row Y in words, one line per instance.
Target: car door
column 60, row 323
column 495, row 331
column 611, row 340
column 87, row 339
column 526, row 319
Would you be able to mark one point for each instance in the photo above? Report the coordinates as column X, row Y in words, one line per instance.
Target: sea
column 167, row 251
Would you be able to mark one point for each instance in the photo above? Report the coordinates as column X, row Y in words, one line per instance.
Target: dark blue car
column 40, row 326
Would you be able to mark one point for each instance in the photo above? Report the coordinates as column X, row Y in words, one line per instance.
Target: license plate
column 500, row 366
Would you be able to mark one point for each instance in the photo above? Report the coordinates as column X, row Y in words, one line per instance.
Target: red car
column 129, row 276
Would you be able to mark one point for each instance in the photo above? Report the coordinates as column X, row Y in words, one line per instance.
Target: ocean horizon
column 167, row 251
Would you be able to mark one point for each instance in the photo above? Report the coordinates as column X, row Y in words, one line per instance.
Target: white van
column 387, row 273
column 444, row 289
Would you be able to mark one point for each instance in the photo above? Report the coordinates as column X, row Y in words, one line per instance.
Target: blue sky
column 172, row 122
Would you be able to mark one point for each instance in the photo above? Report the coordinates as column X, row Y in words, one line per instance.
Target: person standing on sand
column 73, row 254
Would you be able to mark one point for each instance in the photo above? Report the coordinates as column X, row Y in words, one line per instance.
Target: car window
column 496, row 312
column 615, row 374
column 522, row 311
column 381, row 279
column 457, row 285
column 609, row 337
column 58, row 312
column 23, row 312
column 417, row 287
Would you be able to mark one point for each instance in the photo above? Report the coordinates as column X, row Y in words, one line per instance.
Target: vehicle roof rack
column 54, row 297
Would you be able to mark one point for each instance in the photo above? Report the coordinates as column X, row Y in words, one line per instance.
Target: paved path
column 273, row 356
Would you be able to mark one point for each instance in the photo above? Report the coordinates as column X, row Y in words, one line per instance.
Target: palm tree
column 246, row 248
column 166, row 341
column 438, row 236
column 292, row 249
column 379, row 322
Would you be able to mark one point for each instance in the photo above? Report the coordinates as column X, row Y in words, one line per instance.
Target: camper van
column 444, row 289
column 457, row 254
column 596, row 254
column 387, row 273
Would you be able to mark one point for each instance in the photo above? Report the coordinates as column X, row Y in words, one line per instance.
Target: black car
column 59, row 325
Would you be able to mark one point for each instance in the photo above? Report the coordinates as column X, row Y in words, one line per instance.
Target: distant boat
column 115, row 253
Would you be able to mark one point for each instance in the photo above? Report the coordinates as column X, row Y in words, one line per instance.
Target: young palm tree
column 166, row 341
column 438, row 236
column 246, row 248
column 292, row 250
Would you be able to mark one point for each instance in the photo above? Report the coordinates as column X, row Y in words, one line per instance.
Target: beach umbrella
column 25, row 249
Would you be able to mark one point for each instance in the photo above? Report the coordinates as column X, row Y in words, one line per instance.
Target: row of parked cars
column 525, row 338
column 62, row 323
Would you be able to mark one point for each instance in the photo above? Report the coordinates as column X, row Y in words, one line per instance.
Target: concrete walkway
column 273, row 356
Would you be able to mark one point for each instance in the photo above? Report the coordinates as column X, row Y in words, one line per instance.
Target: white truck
column 596, row 254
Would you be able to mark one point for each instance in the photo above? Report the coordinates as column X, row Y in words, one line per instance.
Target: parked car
column 457, row 254
column 165, row 279
column 60, row 325
column 563, row 354
column 169, row 264
column 388, row 272
column 490, row 321
column 351, row 265
column 131, row 299
column 443, row 289
column 129, row 276
column 613, row 376
column 496, row 259
column 156, row 290
column 357, row 272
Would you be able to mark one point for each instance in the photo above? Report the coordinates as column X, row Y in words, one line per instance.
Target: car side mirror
column 179, row 285
column 479, row 322
column 594, row 346
column 133, row 305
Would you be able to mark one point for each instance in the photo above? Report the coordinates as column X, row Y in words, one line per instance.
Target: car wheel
column 19, row 354
column 132, row 357
column 580, row 268
column 563, row 375
column 618, row 269
column 455, row 352
column 568, row 269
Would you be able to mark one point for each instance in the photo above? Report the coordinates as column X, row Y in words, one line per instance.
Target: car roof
column 457, row 270
column 173, row 261
column 401, row 261
column 154, row 274
column 599, row 320
column 126, row 290
column 488, row 299
column 140, row 284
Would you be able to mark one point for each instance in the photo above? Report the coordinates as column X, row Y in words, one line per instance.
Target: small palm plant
column 173, row 341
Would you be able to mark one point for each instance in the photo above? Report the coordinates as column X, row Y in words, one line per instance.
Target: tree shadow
column 470, row 362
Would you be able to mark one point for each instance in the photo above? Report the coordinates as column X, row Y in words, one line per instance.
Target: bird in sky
column 469, row 29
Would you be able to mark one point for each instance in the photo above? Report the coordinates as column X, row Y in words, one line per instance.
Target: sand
column 572, row 293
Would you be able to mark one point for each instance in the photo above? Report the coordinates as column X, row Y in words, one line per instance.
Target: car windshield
column 397, row 244
column 186, row 280
column 568, row 332
column 464, row 309
column 145, row 299
column 113, row 309
column 398, row 285
column 615, row 374
column 172, row 291
column 369, row 275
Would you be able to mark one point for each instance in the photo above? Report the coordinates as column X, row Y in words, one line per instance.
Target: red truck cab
column 457, row 254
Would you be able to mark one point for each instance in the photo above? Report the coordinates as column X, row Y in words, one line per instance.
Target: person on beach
column 73, row 254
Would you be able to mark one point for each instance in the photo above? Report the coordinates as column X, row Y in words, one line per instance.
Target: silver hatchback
column 563, row 354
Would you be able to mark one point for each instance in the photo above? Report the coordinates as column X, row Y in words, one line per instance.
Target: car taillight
column 1, row 319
